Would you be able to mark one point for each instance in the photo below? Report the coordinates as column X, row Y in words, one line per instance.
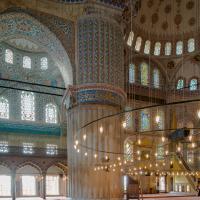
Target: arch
column 5, row 167
column 61, row 165
column 29, row 163
column 15, row 25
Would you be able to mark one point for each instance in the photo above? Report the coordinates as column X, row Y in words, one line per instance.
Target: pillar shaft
column 99, row 92
column 13, row 185
column 44, row 186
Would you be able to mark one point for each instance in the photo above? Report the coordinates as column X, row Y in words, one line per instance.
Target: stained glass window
column 52, row 149
column 28, row 148
column 27, row 106
column 128, row 118
column 130, row 39
column 145, row 120
column 3, row 147
column 27, row 62
column 180, row 84
column 147, row 47
column 144, row 74
column 52, row 185
column 131, row 73
column 179, row 48
column 128, row 150
column 44, row 63
column 191, row 45
column 193, row 84
column 156, row 78
column 4, row 108
column 168, row 48
column 138, row 43
column 157, row 48
column 51, row 113
column 9, row 56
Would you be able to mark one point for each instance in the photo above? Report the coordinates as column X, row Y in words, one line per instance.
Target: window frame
column 184, row 83
column 9, row 53
column 27, row 65
column 6, row 114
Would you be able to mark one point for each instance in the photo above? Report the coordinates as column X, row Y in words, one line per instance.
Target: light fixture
column 101, row 129
column 86, row 153
column 178, row 148
column 76, row 142
column 193, row 145
column 190, row 138
column 95, row 155
column 84, row 137
column 139, row 141
column 163, row 139
column 124, row 124
column 198, row 114
column 157, row 118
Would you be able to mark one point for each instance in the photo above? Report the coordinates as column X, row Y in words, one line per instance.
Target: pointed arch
column 39, row 34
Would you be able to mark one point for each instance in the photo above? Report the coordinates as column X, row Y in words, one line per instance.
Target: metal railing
column 33, row 152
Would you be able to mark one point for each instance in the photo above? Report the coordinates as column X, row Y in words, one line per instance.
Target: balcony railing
column 33, row 152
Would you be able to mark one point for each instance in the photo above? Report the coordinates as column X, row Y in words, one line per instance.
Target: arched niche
column 21, row 25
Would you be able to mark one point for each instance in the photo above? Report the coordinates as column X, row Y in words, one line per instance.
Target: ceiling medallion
column 150, row 3
column 142, row 19
column 165, row 25
column 190, row 5
column 168, row 9
column 192, row 21
column 178, row 19
column 170, row 65
column 154, row 18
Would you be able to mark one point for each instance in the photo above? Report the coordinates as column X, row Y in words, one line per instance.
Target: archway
column 5, row 181
column 56, row 181
column 28, row 180
column 21, row 25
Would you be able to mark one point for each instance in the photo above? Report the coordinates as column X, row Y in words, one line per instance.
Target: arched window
column 128, row 150
column 44, row 63
column 4, row 108
column 138, row 43
column 27, row 106
column 9, row 56
column 157, row 48
column 130, row 39
column 131, row 73
column 193, row 84
column 27, row 62
column 168, row 48
column 180, row 84
column 147, row 47
column 51, row 113
column 145, row 120
column 191, row 45
column 179, row 48
column 156, row 78
column 144, row 74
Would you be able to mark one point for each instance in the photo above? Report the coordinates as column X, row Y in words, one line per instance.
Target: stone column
column 44, row 185
column 98, row 93
column 13, row 184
